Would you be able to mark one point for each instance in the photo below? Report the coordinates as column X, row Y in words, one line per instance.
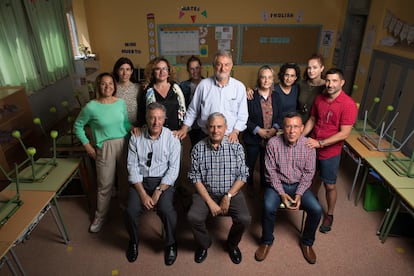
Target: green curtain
column 17, row 64
column 43, row 39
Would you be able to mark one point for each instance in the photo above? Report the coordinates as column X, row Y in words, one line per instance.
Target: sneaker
column 96, row 225
column 326, row 224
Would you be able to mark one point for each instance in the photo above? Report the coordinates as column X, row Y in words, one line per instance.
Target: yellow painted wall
column 402, row 9
column 111, row 23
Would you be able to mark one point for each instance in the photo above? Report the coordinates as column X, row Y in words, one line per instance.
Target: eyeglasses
column 149, row 156
column 158, row 69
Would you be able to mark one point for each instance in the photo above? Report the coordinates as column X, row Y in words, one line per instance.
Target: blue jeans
column 271, row 204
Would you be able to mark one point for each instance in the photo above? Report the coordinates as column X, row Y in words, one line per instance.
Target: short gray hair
column 222, row 53
column 153, row 106
column 214, row 115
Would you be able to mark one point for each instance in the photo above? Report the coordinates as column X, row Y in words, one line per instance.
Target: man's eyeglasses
column 149, row 156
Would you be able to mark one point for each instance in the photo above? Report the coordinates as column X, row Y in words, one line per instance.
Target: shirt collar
column 338, row 99
column 225, row 139
column 288, row 144
column 218, row 84
column 147, row 135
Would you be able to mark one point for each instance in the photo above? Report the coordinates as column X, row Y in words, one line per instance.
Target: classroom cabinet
column 391, row 78
column 15, row 114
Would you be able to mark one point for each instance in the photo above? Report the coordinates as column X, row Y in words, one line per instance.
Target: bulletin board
column 277, row 44
column 178, row 42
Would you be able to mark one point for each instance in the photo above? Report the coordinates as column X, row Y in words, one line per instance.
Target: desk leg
column 62, row 223
column 16, row 260
column 387, row 217
column 359, row 165
column 382, row 224
column 361, row 187
column 5, row 260
column 389, row 225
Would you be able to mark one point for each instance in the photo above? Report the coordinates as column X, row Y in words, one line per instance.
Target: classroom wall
column 111, row 23
column 401, row 9
column 47, row 97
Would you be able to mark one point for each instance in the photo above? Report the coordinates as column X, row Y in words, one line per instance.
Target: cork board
column 277, row 44
column 206, row 38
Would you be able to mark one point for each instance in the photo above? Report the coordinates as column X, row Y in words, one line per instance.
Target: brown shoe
column 262, row 251
column 308, row 253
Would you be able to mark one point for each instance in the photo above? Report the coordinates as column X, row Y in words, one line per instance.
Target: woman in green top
column 312, row 85
column 108, row 121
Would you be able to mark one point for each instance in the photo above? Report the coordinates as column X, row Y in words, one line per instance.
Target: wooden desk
column 408, row 196
column 388, row 174
column 402, row 190
column 5, row 247
column 87, row 170
column 402, row 197
column 20, row 225
column 56, row 181
column 358, row 152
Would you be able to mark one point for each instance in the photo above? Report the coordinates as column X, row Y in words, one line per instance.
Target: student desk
column 23, row 221
column 55, row 181
column 6, row 247
column 405, row 198
column 358, row 152
column 87, row 170
column 402, row 190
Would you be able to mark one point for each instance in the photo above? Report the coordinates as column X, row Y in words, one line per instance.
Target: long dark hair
column 121, row 61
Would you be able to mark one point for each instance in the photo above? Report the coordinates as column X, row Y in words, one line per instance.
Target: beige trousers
column 110, row 165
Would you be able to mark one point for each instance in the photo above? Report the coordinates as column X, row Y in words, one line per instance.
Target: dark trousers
column 199, row 211
column 165, row 210
column 252, row 152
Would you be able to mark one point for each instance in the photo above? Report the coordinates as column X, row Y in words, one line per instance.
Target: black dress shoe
column 170, row 254
column 200, row 255
column 235, row 255
column 132, row 252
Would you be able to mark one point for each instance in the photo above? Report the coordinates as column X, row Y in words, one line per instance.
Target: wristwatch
column 321, row 143
column 159, row 189
column 229, row 195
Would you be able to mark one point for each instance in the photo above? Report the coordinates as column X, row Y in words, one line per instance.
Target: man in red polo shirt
column 332, row 117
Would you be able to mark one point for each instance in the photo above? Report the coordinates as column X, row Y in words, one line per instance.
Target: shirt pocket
column 231, row 102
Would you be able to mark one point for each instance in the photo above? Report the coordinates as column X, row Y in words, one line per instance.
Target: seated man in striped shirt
column 290, row 166
column 218, row 171
column 153, row 167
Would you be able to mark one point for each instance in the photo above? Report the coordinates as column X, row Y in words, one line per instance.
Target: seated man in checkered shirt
column 218, row 171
